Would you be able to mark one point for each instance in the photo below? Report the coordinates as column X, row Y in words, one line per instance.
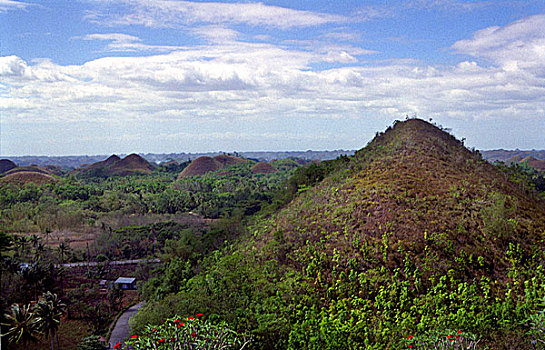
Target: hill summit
column 203, row 165
column 115, row 166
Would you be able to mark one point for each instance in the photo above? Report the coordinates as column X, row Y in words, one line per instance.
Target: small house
column 125, row 283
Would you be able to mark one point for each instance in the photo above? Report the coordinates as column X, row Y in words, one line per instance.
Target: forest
column 413, row 242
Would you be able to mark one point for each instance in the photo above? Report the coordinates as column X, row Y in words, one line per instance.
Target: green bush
column 191, row 333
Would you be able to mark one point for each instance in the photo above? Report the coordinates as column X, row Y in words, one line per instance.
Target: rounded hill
column 29, row 168
column 131, row 164
column 6, row 164
column 24, row 177
column 263, row 168
column 200, row 166
column 534, row 163
column 204, row 164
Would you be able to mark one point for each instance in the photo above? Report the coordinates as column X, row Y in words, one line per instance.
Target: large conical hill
column 413, row 234
column 414, row 191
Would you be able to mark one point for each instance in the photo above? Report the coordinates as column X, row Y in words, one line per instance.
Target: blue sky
column 102, row 76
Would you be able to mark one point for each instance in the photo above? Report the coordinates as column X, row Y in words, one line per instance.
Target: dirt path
column 122, row 329
column 114, row 262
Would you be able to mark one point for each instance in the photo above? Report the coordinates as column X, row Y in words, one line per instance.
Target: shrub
column 190, row 333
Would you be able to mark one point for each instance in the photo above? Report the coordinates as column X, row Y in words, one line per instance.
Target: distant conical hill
column 24, row 177
column 203, row 165
column 6, row 164
column 263, row 168
column 132, row 164
column 29, row 168
column 534, row 163
column 414, row 190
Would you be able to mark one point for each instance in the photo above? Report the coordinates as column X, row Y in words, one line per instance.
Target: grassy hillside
column 413, row 234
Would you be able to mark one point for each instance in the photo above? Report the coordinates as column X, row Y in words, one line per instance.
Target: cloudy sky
column 105, row 76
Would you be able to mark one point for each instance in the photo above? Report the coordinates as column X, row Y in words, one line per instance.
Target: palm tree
column 63, row 249
column 23, row 328
column 47, row 233
column 34, row 240
column 23, row 242
column 48, row 312
column 38, row 251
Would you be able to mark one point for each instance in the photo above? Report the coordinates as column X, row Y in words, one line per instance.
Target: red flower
column 191, row 318
column 459, row 332
column 155, row 329
column 181, row 324
column 410, row 336
column 199, row 315
column 118, row 345
column 194, row 334
column 410, row 346
column 176, row 321
column 134, row 336
column 162, row 340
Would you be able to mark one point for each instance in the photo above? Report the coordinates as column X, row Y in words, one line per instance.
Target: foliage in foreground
column 26, row 323
column 445, row 340
column 193, row 333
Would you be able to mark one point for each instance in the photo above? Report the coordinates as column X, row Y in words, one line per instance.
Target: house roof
column 125, row 280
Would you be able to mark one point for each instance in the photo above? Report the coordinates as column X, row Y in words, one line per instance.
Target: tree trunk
column 51, row 339
column 57, row 338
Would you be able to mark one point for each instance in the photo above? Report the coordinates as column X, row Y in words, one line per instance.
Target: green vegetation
column 413, row 234
column 26, row 323
column 409, row 241
column 131, row 217
column 191, row 333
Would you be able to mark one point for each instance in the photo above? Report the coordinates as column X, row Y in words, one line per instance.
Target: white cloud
column 6, row 5
column 387, row 10
column 216, row 33
column 127, row 43
column 168, row 13
column 117, row 37
column 519, row 45
column 459, row 5
column 257, row 82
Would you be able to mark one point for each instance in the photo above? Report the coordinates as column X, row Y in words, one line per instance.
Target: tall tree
column 22, row 326
column 5, row 241
column 48, row 312
column 23, row 243
column 63, row 249
column 35, row 239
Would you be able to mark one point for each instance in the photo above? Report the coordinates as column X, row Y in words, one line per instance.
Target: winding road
column 122, row 329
